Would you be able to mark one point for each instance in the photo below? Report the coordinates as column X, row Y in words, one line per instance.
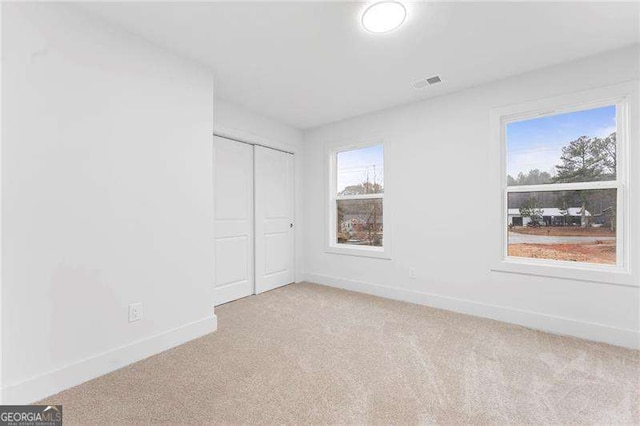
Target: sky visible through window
column 356, row 165
column 537, row 143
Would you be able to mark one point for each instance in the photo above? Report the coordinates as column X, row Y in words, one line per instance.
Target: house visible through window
column 358, row 197
column 562, row 187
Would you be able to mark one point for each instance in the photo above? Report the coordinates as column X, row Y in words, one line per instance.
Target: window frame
column 623, row 96
column 331, row 244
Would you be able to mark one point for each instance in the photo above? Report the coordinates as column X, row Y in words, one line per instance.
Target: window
column 563, row 186
column 357, row 209
column 575, row 152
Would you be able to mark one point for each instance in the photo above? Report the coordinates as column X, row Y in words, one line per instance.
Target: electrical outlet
column 412, row 272
column 135, row 312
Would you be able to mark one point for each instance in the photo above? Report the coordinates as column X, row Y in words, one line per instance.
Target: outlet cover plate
column 135, row 312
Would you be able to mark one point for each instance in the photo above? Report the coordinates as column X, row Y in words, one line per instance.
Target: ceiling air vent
column 419, row 84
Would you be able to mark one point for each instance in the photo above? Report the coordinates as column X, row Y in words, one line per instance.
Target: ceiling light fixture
column 384, row 16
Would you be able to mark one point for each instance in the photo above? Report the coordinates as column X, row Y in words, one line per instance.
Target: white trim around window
column 332, row 197
column 625, row 97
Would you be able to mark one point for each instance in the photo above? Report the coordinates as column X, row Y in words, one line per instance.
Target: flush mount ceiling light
column 383, row 17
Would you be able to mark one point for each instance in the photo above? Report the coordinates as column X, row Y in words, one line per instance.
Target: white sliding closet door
column 233, row 227
column 274, row 189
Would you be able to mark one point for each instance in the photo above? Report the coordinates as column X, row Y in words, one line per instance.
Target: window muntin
column 562, row 189
column 357, row 199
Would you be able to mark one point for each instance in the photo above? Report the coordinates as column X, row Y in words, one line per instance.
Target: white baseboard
column 549, row 323
column 47, row 384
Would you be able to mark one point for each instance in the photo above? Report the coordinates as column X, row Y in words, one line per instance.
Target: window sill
column 604, row 274
column 362, row 251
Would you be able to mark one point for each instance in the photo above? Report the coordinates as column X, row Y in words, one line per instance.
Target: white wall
column 436, row 151
column 1, row 324
column 237, row 122
column 241, row 123
column 107, row 199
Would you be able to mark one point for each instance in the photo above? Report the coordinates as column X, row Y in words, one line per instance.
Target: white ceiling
column 310, row 63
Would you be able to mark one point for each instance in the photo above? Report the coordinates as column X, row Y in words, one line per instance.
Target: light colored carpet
column 307, row 354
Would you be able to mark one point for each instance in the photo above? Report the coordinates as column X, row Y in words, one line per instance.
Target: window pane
column 360, row 171
column 359, row 222
column 578, row 226
column 572, row 147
